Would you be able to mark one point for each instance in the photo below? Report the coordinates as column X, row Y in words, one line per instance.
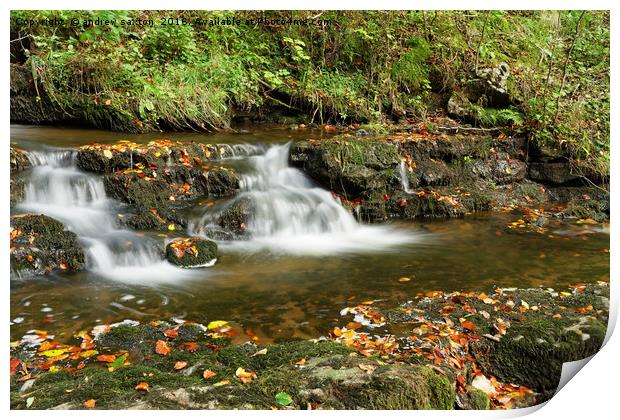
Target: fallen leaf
column 180, row 365
column 367, row 368
column 216, row 324
column 108, row 358
column 142, row 386
column 207, row 374
column 283, row 399
column 90, row 403
column 161, row 347
column 245, row 375
column 171, row 333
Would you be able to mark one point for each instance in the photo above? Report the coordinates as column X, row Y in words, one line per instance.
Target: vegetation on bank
column 346, row 66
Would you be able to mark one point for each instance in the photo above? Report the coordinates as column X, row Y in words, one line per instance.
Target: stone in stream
column 40, row 244
column 192, row 252
column 349, row 166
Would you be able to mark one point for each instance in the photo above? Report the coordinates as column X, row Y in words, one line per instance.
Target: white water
column 404, row 178
column 60, row 190
column 294, row 216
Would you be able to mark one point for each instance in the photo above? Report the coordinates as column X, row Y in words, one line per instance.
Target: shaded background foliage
column 357, row 66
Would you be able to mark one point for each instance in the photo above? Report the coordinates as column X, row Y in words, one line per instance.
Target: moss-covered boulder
column 349, row 166
column 192, row 252
column 40, row 244
column 144, row 193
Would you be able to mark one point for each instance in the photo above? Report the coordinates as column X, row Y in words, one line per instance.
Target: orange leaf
column 171, row 333
column 469, row 325
column 142, row 386
column 301, row 362
column 208, row 374
column 179, row 365
column 90, row 403
column 190, row 346
column 108, row 358
column 161, row 347
column 14, row 365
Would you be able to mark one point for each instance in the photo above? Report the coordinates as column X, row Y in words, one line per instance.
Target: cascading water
column 59, row 189
column 404, row 178
column 292, row 215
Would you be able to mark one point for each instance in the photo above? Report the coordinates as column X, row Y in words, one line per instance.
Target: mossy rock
column 191, row 252
column 348, row 165
column 141, row 193
column 532, row 352
column 42, row 245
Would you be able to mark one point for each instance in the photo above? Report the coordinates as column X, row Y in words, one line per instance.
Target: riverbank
column 460, row 350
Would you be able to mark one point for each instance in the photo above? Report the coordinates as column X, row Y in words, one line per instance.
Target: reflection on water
column 279, row 296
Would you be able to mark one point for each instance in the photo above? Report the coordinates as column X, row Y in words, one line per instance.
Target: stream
column 306, row 257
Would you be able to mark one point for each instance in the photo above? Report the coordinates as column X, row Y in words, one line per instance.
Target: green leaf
column 118, row 362
column 282, row 398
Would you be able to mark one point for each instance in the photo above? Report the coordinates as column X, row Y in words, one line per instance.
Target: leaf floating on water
column 283, row 399
column 404, row 279
column 162, row 348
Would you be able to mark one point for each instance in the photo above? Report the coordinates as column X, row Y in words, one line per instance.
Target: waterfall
column 404, row 178
column 291, row 214
column 57, row 188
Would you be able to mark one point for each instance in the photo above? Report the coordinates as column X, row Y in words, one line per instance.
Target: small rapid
column 57, row 188
column 292, row 215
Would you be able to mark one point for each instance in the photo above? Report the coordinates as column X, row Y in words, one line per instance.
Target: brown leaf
column 208, row 374
column 108, row 358
column 142, row 386
column 180, row 365
column 161, row 347
column 171, row 333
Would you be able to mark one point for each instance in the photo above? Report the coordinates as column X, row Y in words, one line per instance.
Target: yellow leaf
column 216, row 324
column 404, row 279
column 171, row 226
column 107, row 154
column 53, row 353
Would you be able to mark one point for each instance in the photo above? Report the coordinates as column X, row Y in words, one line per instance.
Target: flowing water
column 306, row 257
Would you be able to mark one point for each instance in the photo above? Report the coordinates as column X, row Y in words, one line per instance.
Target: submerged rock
column 40, row 244
column 192, row 252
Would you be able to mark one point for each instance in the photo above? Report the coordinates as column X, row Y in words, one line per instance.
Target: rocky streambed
column 400, row 176
column 161, row 210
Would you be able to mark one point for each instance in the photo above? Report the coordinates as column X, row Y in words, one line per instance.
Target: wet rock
column 143, row 193
column 16, row 190
column 126, row 155
column 553, row 173
column 154, row 220
column 40, row 244
column 236, row 217
column 500, row 168
column 191, row 252
column 472, row 399
column 19, row 160
column 459, row 107
column 430, row 205
column 349, row 166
